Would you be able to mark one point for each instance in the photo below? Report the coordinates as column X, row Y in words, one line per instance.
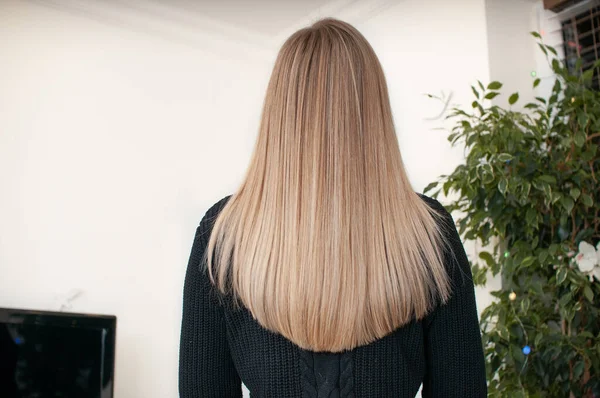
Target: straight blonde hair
column 325, row 242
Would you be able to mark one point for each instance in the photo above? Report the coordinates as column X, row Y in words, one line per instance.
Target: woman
column 325, row 275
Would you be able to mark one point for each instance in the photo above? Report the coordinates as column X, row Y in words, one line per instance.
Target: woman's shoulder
column 208, row 219
column 432, row 202
column 446, row 223
column 215, row 208
column 445, row 218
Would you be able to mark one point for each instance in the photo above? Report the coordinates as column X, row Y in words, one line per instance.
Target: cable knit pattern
column 221, row 347
column 326, row 375
column 346, row 375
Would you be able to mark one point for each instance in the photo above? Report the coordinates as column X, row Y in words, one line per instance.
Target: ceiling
column 265, row 17
column 253, row 26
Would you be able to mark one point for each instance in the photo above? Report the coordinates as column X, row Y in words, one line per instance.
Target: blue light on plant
column 526, row 350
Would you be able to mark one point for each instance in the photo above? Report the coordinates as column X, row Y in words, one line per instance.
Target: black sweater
column 221, row 347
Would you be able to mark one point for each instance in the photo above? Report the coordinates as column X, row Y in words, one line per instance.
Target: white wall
column 511, row 47
column 117, row 133
column 424, row 50
column 514, row 56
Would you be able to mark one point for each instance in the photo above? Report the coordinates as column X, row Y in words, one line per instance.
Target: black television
column 56, row 354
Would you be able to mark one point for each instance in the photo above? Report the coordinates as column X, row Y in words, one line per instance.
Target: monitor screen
column 50, row 354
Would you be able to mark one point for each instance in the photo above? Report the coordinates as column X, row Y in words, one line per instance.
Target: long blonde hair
column 325, row 242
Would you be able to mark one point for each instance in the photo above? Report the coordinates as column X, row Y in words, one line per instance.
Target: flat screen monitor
column 56, row 354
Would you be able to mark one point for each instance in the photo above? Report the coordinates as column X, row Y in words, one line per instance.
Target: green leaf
column 547, row 191
column 502, row 185
column 538, row 339
column 535, row 242
column 527, row 261
column 543, row 256
column 582, row 119
column 513, row 98
column 536, row 35
column 504, row 157
column 547, row 178
column 556, row 196
column 491, row 95
column 575, row 192
column 561, row 275
column 430, row 186
column 567, row 203
column 566, row 299
column 516, row 353
column 446, row 187
column 588, row 293
column 487, row 257
column 479, row 275
column 551, row 49
column 579, row 138
column 556, row 89
column 541, row 46
column 495, row 85
column 475, row 92
column 578, row 369
column 536, row 82
column 531, row 215
column 487, row 177
column 474, row 104
column 587, row 200
column 525, row 303
column 503, row 332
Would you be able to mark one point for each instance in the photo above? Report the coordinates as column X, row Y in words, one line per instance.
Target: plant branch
column 590, row 137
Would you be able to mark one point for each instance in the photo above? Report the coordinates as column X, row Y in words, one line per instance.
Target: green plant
column 528, row 192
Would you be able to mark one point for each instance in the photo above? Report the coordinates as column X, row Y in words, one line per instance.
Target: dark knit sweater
column 221, row 347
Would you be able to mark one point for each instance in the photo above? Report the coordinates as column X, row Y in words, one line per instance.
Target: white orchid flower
column 596, row 273
column 587, row 258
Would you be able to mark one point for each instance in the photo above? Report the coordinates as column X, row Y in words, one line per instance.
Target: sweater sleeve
column 455, row 363
column 206, row 368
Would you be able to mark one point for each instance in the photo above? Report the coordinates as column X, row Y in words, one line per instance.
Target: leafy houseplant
column 529, row 193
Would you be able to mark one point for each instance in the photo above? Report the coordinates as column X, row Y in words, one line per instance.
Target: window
column 581, row 38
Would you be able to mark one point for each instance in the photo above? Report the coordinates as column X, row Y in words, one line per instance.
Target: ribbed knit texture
column 220, row 347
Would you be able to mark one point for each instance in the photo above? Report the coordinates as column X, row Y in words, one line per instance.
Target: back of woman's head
column 325, row 241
